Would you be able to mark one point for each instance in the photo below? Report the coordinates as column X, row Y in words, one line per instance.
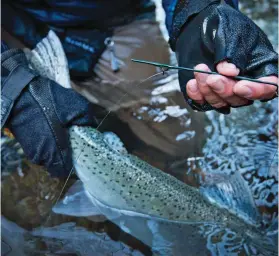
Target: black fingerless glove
column 38, row 112
column 216, row 33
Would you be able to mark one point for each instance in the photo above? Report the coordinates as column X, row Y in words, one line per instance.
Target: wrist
column 15, row 76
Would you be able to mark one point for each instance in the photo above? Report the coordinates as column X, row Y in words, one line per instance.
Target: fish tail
column 262, row 243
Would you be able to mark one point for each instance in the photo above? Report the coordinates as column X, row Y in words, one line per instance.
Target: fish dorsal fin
column 49, row 60
column 114, row 142
column 233, row 194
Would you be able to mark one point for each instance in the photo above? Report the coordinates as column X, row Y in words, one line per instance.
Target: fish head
column 83, row 138
column 90, row 152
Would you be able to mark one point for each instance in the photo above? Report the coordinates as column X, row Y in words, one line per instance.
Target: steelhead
column 130, row 186
column 141, row 198
column 125, row 182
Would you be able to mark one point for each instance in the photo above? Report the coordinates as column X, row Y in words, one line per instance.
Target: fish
column 154, row 206
column 128, row 186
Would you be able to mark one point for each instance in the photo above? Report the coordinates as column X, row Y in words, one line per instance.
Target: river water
column 196, row 148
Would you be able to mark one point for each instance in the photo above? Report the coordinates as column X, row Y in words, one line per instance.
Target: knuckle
column 227, row 96
column 213, row 79
column 261, row 92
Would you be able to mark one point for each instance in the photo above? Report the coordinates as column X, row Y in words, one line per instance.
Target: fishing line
column 166, row 67
column 72, row 169
column 269, row 167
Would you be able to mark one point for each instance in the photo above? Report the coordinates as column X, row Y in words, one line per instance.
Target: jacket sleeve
column 179, row 11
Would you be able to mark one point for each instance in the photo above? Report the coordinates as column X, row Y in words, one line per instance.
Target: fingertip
column 202, row 67
column 193, row 91
column 192, row 87
column 227, row 69
column 201, row 77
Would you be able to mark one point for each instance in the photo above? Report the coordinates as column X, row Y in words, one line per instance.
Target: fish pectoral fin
column 234, row 195
column 79, row 203
column 76, row 203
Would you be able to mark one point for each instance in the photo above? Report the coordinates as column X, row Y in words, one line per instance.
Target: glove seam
column 52, row 102
column 50, row 126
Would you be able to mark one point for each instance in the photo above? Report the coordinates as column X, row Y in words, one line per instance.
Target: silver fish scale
column 127, row 183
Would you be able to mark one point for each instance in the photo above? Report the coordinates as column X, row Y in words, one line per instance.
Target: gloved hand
column 41, row 113
column 222, row 39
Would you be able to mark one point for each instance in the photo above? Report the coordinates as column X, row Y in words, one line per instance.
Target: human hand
column 41, row 114
column 222, row 39
column 220, row 91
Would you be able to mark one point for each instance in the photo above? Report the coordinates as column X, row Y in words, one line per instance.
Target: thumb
column 227, row 69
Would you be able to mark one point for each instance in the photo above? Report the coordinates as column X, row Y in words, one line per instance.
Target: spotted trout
column 152, row 205
column 132, row 187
